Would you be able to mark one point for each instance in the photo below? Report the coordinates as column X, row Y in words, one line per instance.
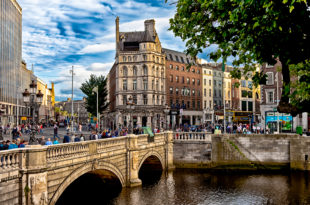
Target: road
column 48, row 133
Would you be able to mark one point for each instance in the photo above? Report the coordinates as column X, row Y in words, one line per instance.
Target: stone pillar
column 191, row 119
column 35, row 187
column 169, row 150
column 133, row 161
column 149, row 121
column 139, row 121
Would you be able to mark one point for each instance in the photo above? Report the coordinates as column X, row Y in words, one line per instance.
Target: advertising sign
column 285, row 120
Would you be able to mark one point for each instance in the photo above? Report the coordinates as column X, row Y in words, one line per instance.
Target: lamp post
column 96, row 90
column 34, row 101
column 131, row 107
column 166, row 111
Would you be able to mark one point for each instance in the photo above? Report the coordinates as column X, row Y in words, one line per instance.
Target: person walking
column 56, row 132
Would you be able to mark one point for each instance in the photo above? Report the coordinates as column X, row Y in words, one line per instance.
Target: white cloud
column 101, row 66
column 97, row 48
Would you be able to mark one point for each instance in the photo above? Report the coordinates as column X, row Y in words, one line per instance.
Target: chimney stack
column 149, row 25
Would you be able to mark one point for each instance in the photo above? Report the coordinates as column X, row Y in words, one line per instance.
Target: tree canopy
column 253, row 32
column 91, row 97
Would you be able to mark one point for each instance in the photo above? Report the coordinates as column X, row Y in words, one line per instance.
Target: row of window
column 193, row 70
column 144, row 71
column 134, row 59
column 154, row 85
column 184, row 91
column 187, row 105
column 244, row 84
column 155, row 100
column 188, row 81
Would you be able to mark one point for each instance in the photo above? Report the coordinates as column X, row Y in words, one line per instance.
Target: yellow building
column 46, row 111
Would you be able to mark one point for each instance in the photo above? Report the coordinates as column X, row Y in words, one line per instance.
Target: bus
column 239, row 116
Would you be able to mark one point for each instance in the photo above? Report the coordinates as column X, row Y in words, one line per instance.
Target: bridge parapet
column 192, row 136
column 10, row 160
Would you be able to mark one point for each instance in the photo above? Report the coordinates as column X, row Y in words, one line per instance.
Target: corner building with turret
column 138, row 76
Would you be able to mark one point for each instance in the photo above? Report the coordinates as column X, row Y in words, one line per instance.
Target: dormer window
column 171, row 58
column 182, row 60
column 177, row 58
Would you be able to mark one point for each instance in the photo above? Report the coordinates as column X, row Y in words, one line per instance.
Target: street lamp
column 166, row 111
column 34, row 101
column 96, row 90
column 131, row 107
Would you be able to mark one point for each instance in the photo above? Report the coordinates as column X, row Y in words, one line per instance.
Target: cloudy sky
column 60, row 33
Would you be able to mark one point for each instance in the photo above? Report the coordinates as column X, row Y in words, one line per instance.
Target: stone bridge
column 40, row 174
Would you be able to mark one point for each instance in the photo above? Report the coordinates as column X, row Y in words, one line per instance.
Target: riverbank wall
column 248, row 152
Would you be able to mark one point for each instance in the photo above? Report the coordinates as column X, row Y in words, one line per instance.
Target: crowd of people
column 18, row 140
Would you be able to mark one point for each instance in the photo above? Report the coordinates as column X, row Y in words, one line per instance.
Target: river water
column 203, row 187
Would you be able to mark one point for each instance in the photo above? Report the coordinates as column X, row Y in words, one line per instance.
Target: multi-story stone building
column 207, row 93
column 10, row 59
column 79, row 110
column 183, row 88
column 138, row 74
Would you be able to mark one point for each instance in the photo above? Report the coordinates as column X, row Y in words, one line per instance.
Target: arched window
column 135, row 58
column 157, row 71
column 125, row 71
column 129, row 58
column 144, row 70
column 162, row 72
column 135, row 71
column 124, row 58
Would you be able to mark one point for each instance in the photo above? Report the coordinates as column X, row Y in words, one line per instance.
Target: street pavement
column 49, row 133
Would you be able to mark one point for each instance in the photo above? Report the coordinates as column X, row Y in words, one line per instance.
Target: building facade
column 270, row 97
column 183, row 88
column 207, row 93
column 137, row 77
column 10, row 59
column 79, row 110
column 46, row 111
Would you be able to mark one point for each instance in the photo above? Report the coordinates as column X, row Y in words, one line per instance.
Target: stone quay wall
column 232, row 151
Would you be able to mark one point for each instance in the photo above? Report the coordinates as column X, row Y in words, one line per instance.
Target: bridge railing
column 192, row 136
column 68, row 150
column 10, row 160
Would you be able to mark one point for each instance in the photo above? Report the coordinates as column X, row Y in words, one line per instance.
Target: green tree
column 91, row 97
column 253, row 32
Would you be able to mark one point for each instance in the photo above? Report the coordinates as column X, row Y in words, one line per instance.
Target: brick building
column 270, row 97
column 183, row 88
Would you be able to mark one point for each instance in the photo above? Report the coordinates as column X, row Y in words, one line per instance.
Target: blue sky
column 60, row 33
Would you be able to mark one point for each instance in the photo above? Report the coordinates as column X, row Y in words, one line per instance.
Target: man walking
column 56, row 132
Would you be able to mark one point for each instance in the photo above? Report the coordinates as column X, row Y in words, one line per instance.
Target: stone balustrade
column 9, row 160
column 192, row 136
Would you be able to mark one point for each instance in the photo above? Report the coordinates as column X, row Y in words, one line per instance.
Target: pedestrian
column 56, row 132
column 42, row 141
column 77, row 139
column 80, row 128
column 55, row 141
column 48, row 142
column 13, row 145
column 82, row 138
column 66, row 138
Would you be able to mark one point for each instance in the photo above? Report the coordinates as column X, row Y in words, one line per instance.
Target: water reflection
column 201, row 187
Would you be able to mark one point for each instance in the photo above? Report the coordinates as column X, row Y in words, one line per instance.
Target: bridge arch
column 86, row 168
column 150, row 154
